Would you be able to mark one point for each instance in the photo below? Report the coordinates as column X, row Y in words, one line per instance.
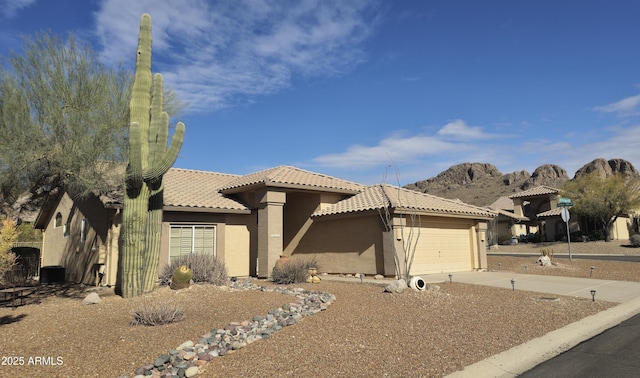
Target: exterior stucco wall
column 81, row 259
column 344, row 245
column 233, row 238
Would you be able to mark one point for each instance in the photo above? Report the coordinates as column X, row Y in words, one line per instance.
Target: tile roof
column 504, row 203
column 291, row 177
column 510, row 214
column 403, row 200
column 188, row 189
column 537, row 191
column 550, row 213
column 192, row 189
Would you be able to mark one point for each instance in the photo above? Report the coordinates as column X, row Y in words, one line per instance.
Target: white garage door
column 443, row 249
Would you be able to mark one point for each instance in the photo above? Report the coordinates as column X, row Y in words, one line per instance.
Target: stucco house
column 536, row 210
column 249, row 221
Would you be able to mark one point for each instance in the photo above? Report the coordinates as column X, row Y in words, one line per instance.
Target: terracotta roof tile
column 550, row 213
column 403, row 200
column 537, row 191
column 198, row 189
column 512, row 215
column 286, row 176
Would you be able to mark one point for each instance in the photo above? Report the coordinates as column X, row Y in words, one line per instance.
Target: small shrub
column 157, row 313
column 8, row 235
column 296, row 270
column 597, row 235
column 504, row 239
column 635, row 240
column 547, row 252
column 205, row 268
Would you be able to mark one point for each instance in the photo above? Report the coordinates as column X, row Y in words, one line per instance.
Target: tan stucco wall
column 233, row 238
column 344, row 245
column 237, row 246
column 81, row 259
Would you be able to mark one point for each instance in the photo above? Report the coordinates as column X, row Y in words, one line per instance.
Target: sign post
column 565, row 203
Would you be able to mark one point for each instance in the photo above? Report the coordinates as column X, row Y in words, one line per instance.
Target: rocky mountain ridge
column 481, row 184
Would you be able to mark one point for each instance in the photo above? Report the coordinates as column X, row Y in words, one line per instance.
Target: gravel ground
column 366, row 332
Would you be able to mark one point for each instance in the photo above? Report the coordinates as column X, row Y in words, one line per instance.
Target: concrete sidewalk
column 524, row 357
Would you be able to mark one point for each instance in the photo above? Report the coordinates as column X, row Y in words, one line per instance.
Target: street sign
column 565, row 214
column 564, row 202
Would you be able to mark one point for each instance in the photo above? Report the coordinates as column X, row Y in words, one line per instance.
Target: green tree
column 603, row 199
column 61, row 112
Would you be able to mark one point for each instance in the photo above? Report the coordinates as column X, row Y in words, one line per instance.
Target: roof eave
column 213, row 210
column 279, row 185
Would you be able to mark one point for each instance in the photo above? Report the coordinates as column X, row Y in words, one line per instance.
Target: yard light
column 450, row 278
column 593, row 295
column 513, row 284
column 499, row 266
column 591, row 273
column 361, row 277
column 526, row 269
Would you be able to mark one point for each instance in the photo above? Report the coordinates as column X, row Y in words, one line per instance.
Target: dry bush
column 153, row 313
column 205, row 268
column 295, row 270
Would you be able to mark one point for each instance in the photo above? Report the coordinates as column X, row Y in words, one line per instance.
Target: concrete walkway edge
column 524, row 357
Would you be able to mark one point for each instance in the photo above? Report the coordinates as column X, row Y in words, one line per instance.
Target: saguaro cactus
column 149, row 160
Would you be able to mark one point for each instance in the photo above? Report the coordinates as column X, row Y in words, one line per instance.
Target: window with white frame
column 191, row 239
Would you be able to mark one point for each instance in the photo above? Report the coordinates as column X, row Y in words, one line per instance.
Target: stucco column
column 270, row 229
column 481, row 236
column 393, row 244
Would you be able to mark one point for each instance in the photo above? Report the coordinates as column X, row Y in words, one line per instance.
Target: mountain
column 481, row 184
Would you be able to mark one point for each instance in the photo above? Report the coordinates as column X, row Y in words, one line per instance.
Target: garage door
column 443, row 249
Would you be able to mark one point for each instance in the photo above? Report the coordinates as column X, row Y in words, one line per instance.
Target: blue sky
column 351, row 87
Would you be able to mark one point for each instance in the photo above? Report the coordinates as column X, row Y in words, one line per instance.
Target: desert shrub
column 546, row 252
column 596, row 235
column 635, row 240
column 8, row 235
column 153, row 313
column 503, row 239
column 296, row 270
column 205, row 268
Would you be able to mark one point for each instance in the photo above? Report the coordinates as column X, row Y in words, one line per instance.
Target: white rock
column 91, row 298
column 192, row 371
column 396, row 286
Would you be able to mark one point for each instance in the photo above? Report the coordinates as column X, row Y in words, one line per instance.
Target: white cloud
column 460, row 130
column 625, row 107
column 10, row 8
column 396, row 148
column 213, row 53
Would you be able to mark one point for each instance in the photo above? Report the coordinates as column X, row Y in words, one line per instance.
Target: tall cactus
column 149, row 160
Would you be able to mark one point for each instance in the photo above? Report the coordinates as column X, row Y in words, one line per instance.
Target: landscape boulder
column 396, row 286
column 91, row 298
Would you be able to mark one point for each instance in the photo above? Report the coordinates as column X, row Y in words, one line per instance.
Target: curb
column 524, row 357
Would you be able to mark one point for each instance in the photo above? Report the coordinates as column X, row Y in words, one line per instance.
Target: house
column 249, row 221
column 508, row 225
column 540, row 206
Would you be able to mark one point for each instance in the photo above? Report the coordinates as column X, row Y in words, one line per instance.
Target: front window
column 191, row 239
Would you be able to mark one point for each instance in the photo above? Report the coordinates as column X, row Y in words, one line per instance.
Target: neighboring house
column 249, row 221
column 540, row 206
column 508, row 224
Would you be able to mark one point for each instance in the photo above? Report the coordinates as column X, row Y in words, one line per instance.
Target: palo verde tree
column 149, row 160
column 603, row 199
column 61, row 111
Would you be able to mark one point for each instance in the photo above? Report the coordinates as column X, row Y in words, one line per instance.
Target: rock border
column 188, row 357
